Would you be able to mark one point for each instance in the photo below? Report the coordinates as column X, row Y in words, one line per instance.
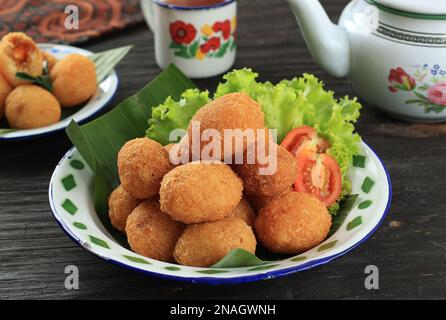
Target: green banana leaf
column 239, row 258
column 106, row 61
column 100, row 140
column 5, row 131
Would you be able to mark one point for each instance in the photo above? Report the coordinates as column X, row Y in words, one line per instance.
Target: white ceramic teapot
column 393, row 51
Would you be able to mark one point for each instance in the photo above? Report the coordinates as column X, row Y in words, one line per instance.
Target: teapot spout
column 327, row 42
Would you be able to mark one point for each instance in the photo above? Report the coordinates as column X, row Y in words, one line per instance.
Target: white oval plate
column 106, row 91
column 71, row 200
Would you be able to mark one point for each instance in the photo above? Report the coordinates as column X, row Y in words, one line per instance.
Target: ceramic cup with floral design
column 200, row 40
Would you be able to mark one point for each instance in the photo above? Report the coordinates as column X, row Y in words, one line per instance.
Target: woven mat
column 44, row 20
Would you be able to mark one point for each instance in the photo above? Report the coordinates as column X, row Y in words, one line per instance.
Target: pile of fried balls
column 197, row 213
column 29, row 106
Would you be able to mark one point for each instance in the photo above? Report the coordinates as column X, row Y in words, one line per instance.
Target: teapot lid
column 425, row 7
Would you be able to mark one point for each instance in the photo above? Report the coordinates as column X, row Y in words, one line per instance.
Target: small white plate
column 106, row 91
column 71, row 200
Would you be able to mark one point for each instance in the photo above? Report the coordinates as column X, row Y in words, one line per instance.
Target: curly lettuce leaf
column 281, row 105
column 173, row 114
column 243, row 80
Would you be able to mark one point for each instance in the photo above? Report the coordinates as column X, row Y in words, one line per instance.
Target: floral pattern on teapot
column 213, row 41
column 426, row 86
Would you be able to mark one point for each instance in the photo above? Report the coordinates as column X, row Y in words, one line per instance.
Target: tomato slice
column 304, row 138
column 319, row 175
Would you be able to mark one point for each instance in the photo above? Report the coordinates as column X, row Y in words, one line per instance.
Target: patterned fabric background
column 44, row 20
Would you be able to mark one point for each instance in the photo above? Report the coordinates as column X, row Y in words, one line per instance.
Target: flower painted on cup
column 182, row 33
column 207, row 30
column 437, row 93
column 212, row 44
column 223, row 27
column 200, row 55
column 400, row 80
column 210, row 40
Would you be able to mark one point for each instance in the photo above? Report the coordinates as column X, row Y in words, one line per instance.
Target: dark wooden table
column 409, row 248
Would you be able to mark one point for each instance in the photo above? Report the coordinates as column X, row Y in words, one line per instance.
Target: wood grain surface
column 409, row 248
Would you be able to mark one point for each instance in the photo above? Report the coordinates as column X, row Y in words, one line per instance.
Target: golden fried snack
column 5, row 90
column 268, row 185
column 258, row 201
column 19, row 53
column 179, row 153
column 174, row 151
column 74, row 80
column 292, row 223
column 151, row 232
column 142, row 164
column 244, row 211
column 49, row 59
column 231, row 111
column 120, row 205
column 30, row 106
column 202, row 245
column 200, row 192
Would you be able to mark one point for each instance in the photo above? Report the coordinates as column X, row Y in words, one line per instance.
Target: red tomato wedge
column 304, row 138
column 319, row 175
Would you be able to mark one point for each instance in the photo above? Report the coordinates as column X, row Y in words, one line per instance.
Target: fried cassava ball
column 202, row 245
column 231, row 111
column 269, row 184
column 200, row 192
column 74, row 80
column 244, row 211
column 30, row 106
column 120, row 205
column 258, row 201
column 142, row 164
column 19, row 53
column 5, row 90
column 292, row 223
column 151, row 232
